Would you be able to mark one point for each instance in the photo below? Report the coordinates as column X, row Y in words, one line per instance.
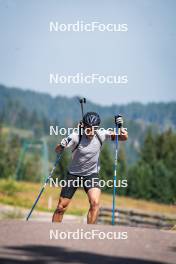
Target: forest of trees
column 152, row 177
column 147, row 160
column 15, row 102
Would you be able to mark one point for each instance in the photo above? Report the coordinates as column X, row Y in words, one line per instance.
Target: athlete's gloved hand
column 64, row 142
column 58, row 148
column 119, row 121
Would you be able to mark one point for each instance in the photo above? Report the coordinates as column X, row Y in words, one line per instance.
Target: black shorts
column 72, row 182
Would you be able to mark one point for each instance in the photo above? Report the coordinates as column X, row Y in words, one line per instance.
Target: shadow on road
column 33, row 254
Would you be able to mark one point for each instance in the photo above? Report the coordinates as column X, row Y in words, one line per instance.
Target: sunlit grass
column 23, row 194
column 17, row 131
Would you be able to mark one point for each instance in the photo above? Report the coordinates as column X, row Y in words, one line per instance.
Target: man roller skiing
column 84, row 165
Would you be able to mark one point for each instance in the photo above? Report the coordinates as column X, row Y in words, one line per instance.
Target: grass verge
column 23, row 194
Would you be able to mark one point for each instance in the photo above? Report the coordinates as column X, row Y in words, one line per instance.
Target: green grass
column 9, row 188
column 23, row 194
column 17, row 131
column 15, row 214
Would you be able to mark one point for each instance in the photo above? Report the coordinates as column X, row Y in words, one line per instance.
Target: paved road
column 29, row 243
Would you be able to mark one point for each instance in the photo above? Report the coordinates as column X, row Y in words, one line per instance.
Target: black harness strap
column 98, row 136
column 79, row 141
column 80, row 137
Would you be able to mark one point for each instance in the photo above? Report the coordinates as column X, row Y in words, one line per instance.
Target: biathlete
column 84, row 166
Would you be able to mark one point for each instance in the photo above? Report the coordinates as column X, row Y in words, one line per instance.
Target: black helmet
column 91, row 119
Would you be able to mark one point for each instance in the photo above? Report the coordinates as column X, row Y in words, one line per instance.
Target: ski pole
column 82, row 101
column 118, row 125
column 44, row 185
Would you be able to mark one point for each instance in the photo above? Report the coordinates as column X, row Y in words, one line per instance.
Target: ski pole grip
column 119, row 120
column 82, row 100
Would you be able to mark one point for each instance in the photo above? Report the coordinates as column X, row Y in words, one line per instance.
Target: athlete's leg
column 94, row 200
column 66, row 195
column 60, row 210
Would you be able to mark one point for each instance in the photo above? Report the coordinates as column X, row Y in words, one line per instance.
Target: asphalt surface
column 38, row 242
